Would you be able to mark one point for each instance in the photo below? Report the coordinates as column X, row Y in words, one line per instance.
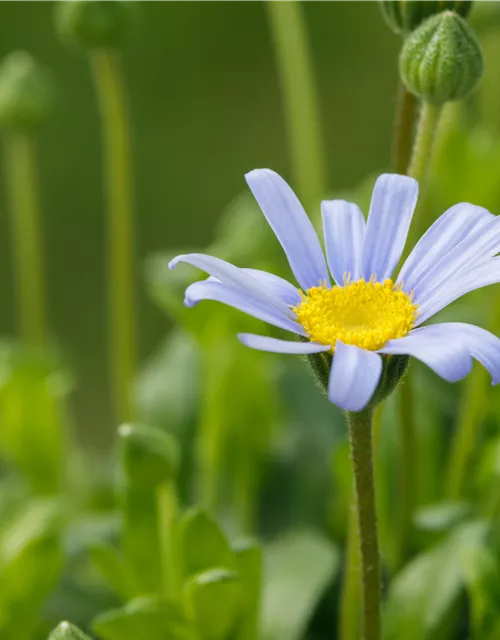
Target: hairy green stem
column 360, row 431
column 424, row 142
column 118, row 186
column 350, row 595
column 300, row 100
column 27, row 241
column 403, row 128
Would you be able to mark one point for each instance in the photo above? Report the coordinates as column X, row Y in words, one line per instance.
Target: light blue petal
column 476, row 277
column 291, row 225
column 445, row 234
column 228, row 273
column 391, row 210
column 354, row 376
column 480, row 244
column 242, row 300
column 264, row 343
column 481, row 344
column 344, row 229
column 283, row 289
column 436, row 349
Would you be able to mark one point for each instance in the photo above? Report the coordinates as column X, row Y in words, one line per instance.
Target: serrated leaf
column 297, row 570
column 154, row 618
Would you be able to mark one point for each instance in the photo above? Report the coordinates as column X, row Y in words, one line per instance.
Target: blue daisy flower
column 363, row 314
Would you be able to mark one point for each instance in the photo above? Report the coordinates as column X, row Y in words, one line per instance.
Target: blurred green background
column 206, row 108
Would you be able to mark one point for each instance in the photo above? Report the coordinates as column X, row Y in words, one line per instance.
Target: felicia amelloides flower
column 365, row 315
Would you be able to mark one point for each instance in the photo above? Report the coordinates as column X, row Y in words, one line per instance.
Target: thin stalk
column 360, row 431
column 167, row 516
column 300, row 99
column 407, row 470
column 27, row 241
column 350, row 595
column 403, row 128
column 118, row 187
column 471, row 414
column 424, row 142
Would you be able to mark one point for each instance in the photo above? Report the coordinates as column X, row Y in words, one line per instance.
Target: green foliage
column 441, row 61
column 67, row 631
column 32, row 415
column 297, row 570
column 26, row 93
column 152, row 617
column 150, row 456
column 213, row 602
column 215, row 551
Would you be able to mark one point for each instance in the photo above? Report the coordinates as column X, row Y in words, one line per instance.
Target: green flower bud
column 403, row 17
column 93, row 24
column 441, row 60
column 149, row 455
column 67, row 631
column 26, row 92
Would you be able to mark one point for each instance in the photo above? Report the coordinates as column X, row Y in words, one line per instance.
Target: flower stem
column 27, row 242
column 118, row 185
column 295, row 70
column 424, row 142
column 403, row 128
column 360, row 430
column 349, row 597
column 167, row 514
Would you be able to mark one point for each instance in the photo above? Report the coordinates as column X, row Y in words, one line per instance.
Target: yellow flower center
column 366, row 314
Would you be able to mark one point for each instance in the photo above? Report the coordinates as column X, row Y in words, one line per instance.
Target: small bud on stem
column 441, row 61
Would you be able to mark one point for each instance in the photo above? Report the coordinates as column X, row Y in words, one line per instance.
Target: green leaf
column 151, row 618
column 481, row 578
column 67, row 631
column 202, row 544
column 297, row 570
column 150, row 456
column 30, row 562
column 167, row 386
column 32, row 415
column 248, row 554
column 114, row 570
column 423, row 596
column 213, row 601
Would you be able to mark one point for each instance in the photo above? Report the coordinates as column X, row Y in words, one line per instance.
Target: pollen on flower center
column 365, row 314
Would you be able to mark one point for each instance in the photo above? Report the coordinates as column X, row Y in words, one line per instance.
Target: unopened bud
column 150, row 456
column 26, row 92
column 441, row 61
column 404, row 17
column 93, row 24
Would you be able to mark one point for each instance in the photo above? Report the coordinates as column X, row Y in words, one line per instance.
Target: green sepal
column 393, row 369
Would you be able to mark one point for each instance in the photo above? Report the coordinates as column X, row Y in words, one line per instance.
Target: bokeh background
column 260, row 447
column 205, row 101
